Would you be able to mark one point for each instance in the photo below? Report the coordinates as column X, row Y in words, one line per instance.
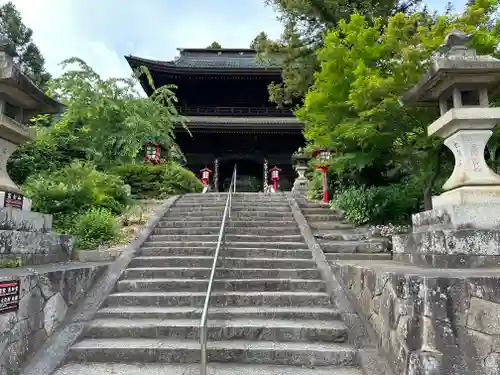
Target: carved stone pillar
column 216, row 175
column 265, row 185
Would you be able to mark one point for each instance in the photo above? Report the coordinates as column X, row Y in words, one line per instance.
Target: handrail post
column 204, row 315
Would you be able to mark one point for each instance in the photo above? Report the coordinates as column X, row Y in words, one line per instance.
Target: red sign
column 9, row 295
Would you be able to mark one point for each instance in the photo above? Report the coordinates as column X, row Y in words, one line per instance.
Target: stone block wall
column 28, row 235
column 45, row 298
column 429, row 322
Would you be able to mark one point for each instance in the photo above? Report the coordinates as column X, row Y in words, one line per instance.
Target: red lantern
column 152, row 153
column 205, row 175
column 324, row 161
column 275, row 176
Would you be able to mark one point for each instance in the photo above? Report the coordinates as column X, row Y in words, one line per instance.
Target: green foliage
column 366, row 65
column 179, row 180
column 11, row 263
column 305, row 23
column 380, row 204
column 315, row 186
column 75, row 189
column 53, row 149
column 93, row 228
column 109, row 119
column 30, row 58
column 158, row 181
column 215, row 45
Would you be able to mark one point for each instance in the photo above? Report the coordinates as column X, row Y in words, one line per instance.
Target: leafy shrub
column 93, row 228
column 380, row 204
column 158, row 181
column 53, row 149
column 75, row 189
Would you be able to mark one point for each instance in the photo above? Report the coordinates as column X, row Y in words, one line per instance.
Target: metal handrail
column 203, row 322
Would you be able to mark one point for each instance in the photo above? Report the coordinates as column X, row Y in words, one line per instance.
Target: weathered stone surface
column 14, row 219
column 449, row 248
column 46, row 292
column 432, row 322
column 54, row 311
column 35, row 247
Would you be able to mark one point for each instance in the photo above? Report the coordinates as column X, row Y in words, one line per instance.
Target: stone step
column 319, row 211
column 239, row 196
column 197, row 285
column 216, row 223
column 238, row 206
column 237, row 253
column 352, row 246
column 332, row 219
column 332, row 216
column 93, row 368
column 220, row 273
column 341, row 235
column 219, row 299
column 228, row 244
column 235, row 215
column 261, row 231
column 257, row 208
column 228, row 237
column 230, row 329
column 248, row 312
column 234, row 351
column 357, row 256
column 225, row 262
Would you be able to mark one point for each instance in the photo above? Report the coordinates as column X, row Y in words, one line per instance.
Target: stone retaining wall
column 47, row 292
column 28, row 236
column 429, row 322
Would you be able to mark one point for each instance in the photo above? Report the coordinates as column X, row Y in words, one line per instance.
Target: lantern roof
column 455, row 65
column 318, row 151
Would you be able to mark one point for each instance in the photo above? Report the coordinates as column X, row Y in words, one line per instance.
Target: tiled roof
column 213, row 59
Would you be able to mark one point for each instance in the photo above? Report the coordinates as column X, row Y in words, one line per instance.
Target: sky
column 102, row 32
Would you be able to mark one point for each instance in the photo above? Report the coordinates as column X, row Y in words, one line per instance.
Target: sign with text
column 9, row 295
column 13, row 200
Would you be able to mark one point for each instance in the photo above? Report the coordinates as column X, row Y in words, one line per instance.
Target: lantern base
column 468, row 195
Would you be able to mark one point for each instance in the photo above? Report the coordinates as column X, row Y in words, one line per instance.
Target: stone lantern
column 463, row 228
column 20, row 99
column 300, row 160
column 25, row 236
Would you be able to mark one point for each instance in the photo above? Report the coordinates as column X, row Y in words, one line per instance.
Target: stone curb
column 362, row 335
column 51, row 355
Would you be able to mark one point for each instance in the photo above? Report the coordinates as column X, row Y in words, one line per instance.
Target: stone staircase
column 270, row 313
column 339, row 239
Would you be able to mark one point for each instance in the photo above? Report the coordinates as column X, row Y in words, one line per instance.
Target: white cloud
column 102, row 32
column 54, row 31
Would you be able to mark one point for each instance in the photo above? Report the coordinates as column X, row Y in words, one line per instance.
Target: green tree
column 105, row 121
column 305, row 23
column 354, row 104
column 214, row 45
column 109, row 118
column 30, row 58
column 260, row 39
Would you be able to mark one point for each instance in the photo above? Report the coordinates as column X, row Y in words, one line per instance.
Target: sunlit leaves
column 109, row 118
column 365, row 67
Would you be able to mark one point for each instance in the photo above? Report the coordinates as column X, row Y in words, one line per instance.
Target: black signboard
column 9, row 296
column 13, row 200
